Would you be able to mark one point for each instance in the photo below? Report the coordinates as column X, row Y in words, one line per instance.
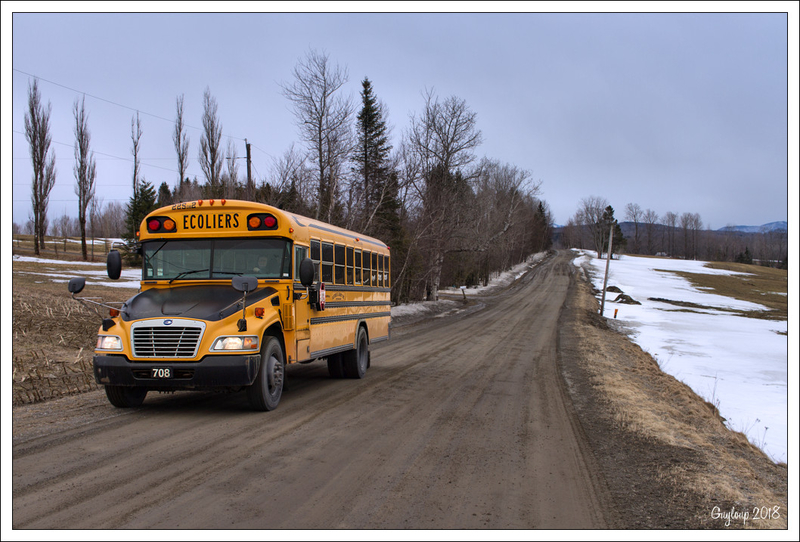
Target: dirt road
column 460, row 423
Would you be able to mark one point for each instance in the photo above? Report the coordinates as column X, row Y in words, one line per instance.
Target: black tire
column 356, row 361
column 265, row 393
column 125, row 396
column 335, row 366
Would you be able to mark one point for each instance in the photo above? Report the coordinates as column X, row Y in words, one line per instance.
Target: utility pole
column 605, row 280
column 250, row 191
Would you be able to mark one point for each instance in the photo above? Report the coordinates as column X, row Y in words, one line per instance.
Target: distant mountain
column 772, row 226
column 628, row 228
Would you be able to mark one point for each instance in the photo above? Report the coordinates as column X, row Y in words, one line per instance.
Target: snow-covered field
column 739, row 364
column 93, row 272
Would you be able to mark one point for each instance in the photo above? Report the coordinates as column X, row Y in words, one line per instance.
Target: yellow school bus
column 231, row 292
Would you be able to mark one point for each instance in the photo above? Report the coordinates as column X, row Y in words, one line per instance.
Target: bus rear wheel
column 125, row 396
column 335, row 368
column 265, row 393
column 356, row 361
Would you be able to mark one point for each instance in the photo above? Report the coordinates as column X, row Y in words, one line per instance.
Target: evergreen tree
column 744, row 257
column 542, row 233
column 140, row 204
column 371, row 157
column 608, row 222
column 164, row 195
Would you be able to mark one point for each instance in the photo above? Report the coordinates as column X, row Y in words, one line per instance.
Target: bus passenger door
column 302, row 310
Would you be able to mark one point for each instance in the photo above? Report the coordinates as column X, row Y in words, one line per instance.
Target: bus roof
column 216, row 218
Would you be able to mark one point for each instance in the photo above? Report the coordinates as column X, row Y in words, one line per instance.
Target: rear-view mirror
column 244, row 283
column 114, row 264
column 76, row 285
column 306, row 272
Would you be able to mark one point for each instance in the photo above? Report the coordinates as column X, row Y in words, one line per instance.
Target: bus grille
column 166, row 342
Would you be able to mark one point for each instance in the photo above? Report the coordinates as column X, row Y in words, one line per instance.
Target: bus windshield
column 204, row 259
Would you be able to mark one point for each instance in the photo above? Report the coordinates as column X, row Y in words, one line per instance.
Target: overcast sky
column 676, row 112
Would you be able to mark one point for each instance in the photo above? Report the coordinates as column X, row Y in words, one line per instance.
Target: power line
column 115, row 103
column 125, row 159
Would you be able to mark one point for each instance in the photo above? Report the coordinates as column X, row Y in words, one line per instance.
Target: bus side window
column 338, row 273
column 375, row 269
column 358, row 267
column 327, row 262
column 386, row 272
column 350, row 256
column 300, row 254
column 380, row 270
column 315, row 257
column 367, row 272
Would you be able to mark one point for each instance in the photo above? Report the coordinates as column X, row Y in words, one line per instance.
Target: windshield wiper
column 179, row 275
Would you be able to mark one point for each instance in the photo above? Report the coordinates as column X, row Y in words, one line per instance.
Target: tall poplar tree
column 85, row 168
column 37, row 132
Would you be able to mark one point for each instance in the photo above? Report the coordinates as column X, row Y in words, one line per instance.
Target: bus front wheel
column 125, row 396
column 265, row 393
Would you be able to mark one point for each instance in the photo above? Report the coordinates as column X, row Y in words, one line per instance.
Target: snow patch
column 738, row 364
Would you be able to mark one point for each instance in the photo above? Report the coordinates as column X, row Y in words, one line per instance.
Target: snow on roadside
column 445, row 307
column 739, row 364
column 500, row 280
column 128, row 279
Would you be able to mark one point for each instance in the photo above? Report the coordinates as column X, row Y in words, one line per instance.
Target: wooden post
column 605, row 280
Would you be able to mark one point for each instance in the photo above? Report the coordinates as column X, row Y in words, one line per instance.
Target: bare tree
column 324, row 118
column 136, row 135
column 671, row 221
column 696, row 224
column 590, row 216
column 445, row 135
column 650, row 218
column 94, row 218
column 634, row 213
column 690, row 224
column 181, row 140
column 211, row 156
column 231, row 186
column 37, row 132
column 443, row 138
column 85, row 168
column 292, row 186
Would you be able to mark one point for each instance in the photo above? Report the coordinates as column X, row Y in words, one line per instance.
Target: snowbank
column 739, row 364
column 500, row 280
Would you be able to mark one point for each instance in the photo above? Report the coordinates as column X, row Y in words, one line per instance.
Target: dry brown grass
column 763, row 285
column 641, row 399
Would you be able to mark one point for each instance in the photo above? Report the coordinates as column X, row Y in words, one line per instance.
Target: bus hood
column 209, row 303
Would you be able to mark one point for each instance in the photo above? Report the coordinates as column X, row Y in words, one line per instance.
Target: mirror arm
column 84, row 300
column 242, row 323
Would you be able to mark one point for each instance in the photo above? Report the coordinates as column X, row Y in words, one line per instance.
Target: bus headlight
column 247, row 343
column 108, row 342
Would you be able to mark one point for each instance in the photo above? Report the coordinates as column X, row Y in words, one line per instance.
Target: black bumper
column 209, row 372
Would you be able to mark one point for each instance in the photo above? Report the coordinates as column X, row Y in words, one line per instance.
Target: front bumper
column 210, row 372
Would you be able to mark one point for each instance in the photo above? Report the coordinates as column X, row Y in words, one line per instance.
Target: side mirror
column 307, row 272
column 244, row 283
column 76, row 285
column 114, row 264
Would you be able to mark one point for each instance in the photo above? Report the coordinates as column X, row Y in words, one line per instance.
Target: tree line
column 450, row 217
column 672, row 235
